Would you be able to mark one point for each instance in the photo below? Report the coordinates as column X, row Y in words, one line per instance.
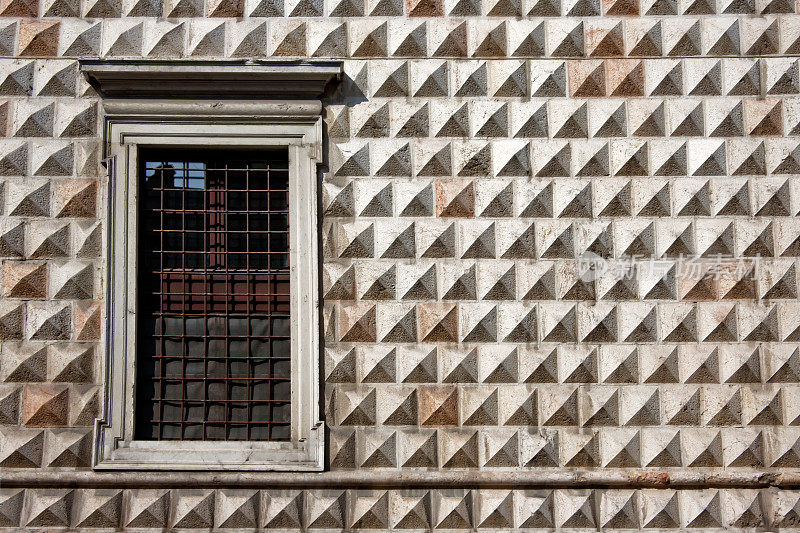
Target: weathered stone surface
column 556, row 234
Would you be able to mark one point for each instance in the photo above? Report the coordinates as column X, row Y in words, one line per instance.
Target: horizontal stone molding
column 630, row 479
column 285, row 109
column 211, row 78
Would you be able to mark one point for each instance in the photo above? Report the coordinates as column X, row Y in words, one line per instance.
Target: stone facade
column 480, row 154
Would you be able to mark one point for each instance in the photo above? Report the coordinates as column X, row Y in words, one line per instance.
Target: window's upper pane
column 213, row 353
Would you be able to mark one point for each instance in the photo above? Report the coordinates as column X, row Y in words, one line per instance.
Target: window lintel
column 215, row 79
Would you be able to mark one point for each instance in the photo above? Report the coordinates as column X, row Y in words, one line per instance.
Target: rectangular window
column 213, row 309
column 213, row 321
column 213, row 318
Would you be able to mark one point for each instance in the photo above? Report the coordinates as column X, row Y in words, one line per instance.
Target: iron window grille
column 213, row 350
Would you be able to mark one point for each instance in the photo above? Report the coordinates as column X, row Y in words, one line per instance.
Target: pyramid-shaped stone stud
column 357, row 408
column 284, row 509
column 645, row 411
column 704, row 510
column 687, row 119
column 420, row 366
column 459, row 365
column 410, row 509
column 356, row 240
column 165, row 40
column 38, row 38
column 35, row 120
column 460, row 452
column 619, row 509
column 74, row 281
column 9, row 404
column 438, row 405
column 748, row 159
column 49, row 321
column 420, row 449
column 148, row 508
column 602, row 408
column 660, row 509
column 22, row 449
column 605, row 39
column 77, row 120
column 764, row 118
column 681, row 408
column 618, row 364
column 193, row 509
column 45, row 405
column 86, row 41
column 25, row 363
column 326, row 509
column 370, row 41
column 559, row 407
column 53, row 159
column 342, row 454
column 128, row 40
column 87, row 320
column 379, row 450
column 587, row 78
column 745, row 508
column 582, row 450
column 449, row 40
column 536, row 508
column 50, row 508
column 558, row 322
column 647, row 119
column 11, row 501
column 480, row 407
column 25, row 280
column 18, row 79
column 72, row 364
column 678, row 322
column 661, row 447
column 225, row 8
column 402, row 411
column 759, row 37
column 682, row 39
column 575, row 509
column 237, row 509
column 357, row 322
column 252, row 41
column 143, row 8
column 98, row 508
column 19, row 9
column 11, row 320
column 76, row 199
column 207, row 38
column 607, row 119
column 644, row 38
column 519, row 409
column 57, row 80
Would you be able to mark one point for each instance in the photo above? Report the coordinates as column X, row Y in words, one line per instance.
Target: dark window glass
column 213, row 356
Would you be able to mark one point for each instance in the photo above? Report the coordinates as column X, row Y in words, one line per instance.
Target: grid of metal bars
column 213, row 350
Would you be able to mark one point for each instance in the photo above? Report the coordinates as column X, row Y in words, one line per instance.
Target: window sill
column 305, row 455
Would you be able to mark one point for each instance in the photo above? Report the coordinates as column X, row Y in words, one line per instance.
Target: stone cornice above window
column 120, row 78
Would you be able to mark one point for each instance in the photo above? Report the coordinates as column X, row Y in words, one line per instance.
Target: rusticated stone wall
column 481, row 156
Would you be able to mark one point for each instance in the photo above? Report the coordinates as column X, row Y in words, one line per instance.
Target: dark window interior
column 213, row 350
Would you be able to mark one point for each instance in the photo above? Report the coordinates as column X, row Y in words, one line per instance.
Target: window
column 213, row 348
column 212, row 335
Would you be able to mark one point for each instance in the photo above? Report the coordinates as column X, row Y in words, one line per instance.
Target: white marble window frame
column 133, row 124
